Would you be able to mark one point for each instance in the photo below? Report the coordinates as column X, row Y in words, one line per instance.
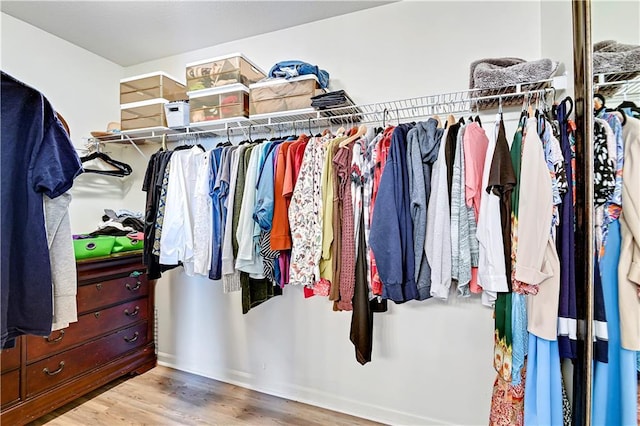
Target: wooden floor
column 164, row 396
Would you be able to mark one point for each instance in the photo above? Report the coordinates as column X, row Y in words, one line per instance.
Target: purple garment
column 215, row 272
column 283, row 263
column 565, row 243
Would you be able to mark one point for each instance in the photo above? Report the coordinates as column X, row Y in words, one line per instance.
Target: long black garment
column 152, row 185
column 450, row 153
column 361, row 334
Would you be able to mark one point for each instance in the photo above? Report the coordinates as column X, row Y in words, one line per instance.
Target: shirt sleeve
column 55, row 163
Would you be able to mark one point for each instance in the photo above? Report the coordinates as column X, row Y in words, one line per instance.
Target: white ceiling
column 131, row 32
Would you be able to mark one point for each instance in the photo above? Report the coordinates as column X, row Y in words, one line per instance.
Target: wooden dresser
column 114, row 336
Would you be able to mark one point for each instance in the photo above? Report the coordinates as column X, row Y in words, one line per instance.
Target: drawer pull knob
column 135, row 287
column 132, row 314
column 57, row 339
column 131, row 339
column 99, row 286
column 96, row 314
column 53, row 373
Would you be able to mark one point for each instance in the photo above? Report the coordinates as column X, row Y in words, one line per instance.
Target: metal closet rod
column 448, row 103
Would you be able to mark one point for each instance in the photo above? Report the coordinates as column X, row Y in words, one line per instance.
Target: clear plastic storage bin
column 151, row 86
column 222, row 71
column 280, row 94
column 219, row 103
column 143, row 115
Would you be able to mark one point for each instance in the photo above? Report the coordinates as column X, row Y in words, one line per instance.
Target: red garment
column 293, row 164
column 342, row 162
column 382, row 150
column 280, row 232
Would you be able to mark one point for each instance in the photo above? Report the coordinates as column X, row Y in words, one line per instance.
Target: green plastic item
column 126, row 244
column 87, row 248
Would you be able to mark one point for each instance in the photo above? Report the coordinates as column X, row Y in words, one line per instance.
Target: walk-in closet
column 320, row 212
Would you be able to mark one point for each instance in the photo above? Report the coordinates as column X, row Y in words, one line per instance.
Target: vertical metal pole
column 585, row 248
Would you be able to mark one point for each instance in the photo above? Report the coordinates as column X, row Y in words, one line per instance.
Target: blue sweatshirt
column 391, row 235
column 215, row 272
column 263, row 212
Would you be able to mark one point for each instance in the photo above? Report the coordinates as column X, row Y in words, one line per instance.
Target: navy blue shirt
column 37, row 158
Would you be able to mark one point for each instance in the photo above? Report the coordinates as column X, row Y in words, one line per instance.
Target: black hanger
column 630, row 105
column 477, row 120
column 121, row 169
column 384, row 122
column 624, row 115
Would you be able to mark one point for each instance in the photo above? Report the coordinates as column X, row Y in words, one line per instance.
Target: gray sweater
column 62, row 259
column 423, row 142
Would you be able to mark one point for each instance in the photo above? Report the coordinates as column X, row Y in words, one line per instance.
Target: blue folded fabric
column 290, row 69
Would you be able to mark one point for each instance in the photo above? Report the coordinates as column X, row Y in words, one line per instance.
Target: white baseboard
column 309, row 396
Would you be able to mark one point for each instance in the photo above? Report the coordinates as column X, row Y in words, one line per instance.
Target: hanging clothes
column 475, row 150
column 491, row 262
column 629, row 266
column 464, row 244
column 305, row 218
column 249, row 259
column 565, row 243
column 202, row 218
column 391, row 228
column 379, row 159
column 507, row 401
column 422, row 152
column 342, row 163
column 37, row 158
column 438, row 238
column 230, row 275
column 615, row 395
column 176, row 240
column 219, row 162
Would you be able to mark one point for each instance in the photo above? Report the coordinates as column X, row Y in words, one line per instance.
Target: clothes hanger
column 451, row 120
column 361, row 131
column 569, row 109
column 121, row 169
column 341, row 129
column 384, row 122
column 435, row 117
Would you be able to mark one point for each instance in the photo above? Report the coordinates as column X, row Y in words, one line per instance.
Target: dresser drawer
column 59, row 368
column 89, row 326
column 9, row 387
column 97, row 295
column 10, row 358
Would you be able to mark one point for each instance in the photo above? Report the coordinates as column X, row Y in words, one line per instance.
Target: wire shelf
column 380, row 112
column 619, row 85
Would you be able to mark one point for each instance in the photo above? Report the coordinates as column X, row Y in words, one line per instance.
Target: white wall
column 616, row 20
column 432, row 361
column 84, row 88
column 390, row 52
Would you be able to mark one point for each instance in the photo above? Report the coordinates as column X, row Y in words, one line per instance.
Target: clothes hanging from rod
column 299, row 197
